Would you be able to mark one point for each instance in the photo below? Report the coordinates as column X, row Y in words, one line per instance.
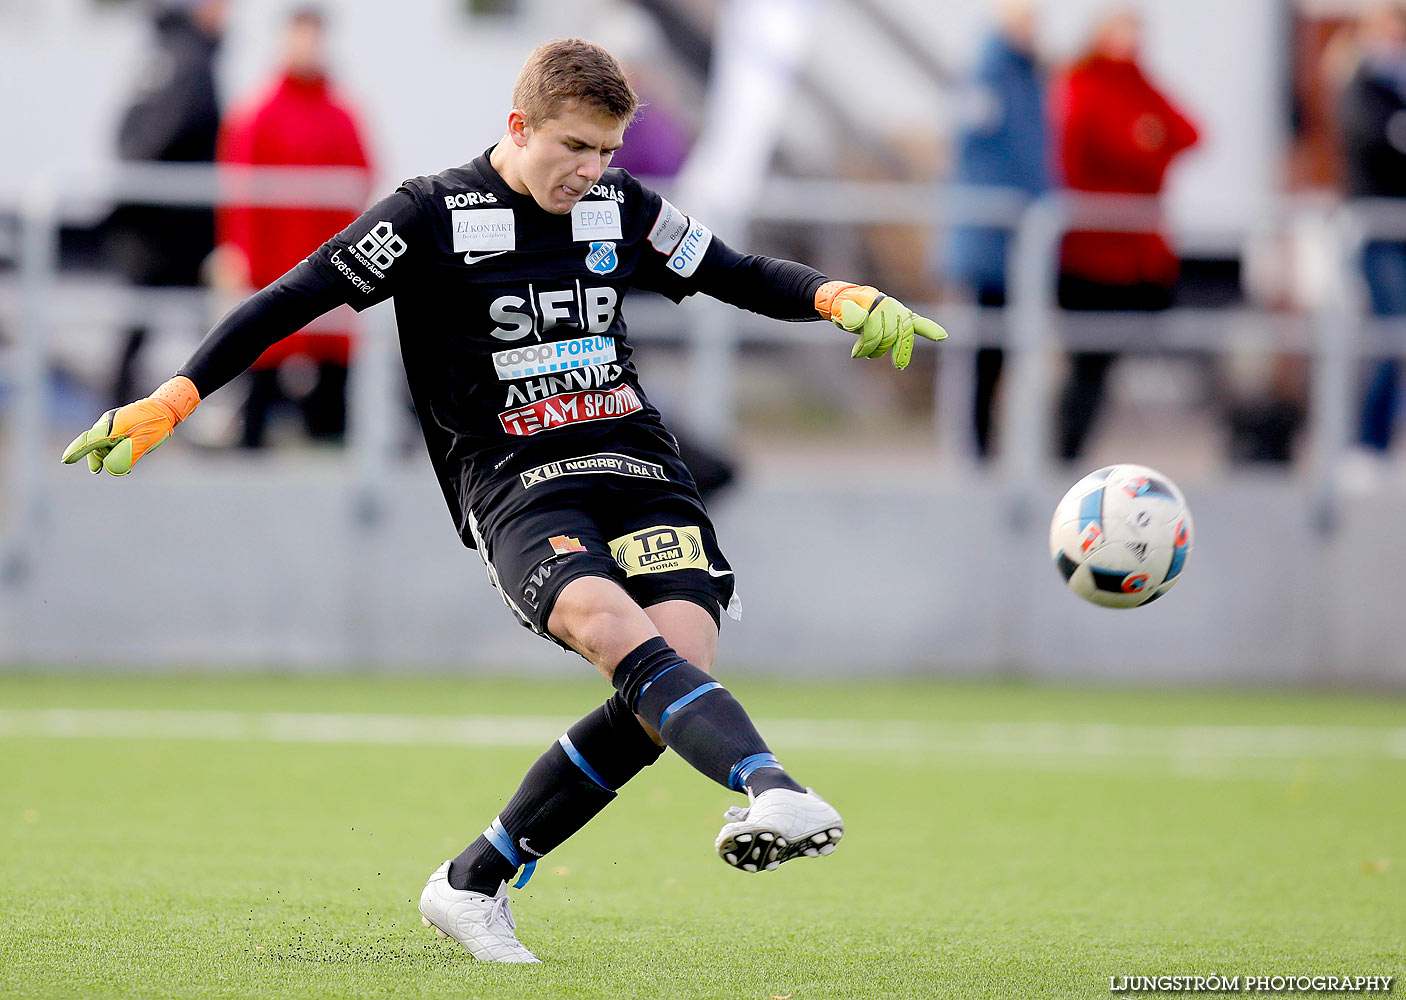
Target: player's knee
column 638, row 668
column 591, row 631
column 689, row 629
column 599, row 621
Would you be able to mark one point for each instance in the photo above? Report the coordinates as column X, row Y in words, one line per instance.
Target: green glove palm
column 881, row 321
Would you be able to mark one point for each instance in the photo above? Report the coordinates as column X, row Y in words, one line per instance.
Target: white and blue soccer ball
column 1121, row 536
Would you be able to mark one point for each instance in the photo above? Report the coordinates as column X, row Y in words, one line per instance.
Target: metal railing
column 43, row 208
column 715, row 333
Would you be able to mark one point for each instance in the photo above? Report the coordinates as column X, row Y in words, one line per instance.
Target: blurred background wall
column 868, row 532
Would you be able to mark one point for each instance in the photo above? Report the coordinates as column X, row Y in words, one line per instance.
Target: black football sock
column 575, row 779
column 698, row 718
column 767, row 775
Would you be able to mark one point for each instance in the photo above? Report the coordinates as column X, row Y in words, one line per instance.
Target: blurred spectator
column 1115, row 133
column 656, row 146
column 298, row 120
column 1003, row 142
column 1373, row 121
column 658, row 141
column 173, row 118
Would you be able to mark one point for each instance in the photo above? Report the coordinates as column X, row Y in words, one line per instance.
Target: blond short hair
column 573, row 69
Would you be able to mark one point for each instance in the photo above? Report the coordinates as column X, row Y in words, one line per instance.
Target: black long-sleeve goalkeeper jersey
column 510, row 318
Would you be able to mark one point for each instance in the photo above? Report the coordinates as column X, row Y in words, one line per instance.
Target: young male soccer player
column 508, row 275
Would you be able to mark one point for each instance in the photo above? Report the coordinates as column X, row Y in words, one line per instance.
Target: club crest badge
column 602, row 258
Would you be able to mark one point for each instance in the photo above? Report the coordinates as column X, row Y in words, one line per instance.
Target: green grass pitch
column 267, row 836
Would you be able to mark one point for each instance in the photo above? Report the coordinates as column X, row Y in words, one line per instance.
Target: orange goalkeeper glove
column 123, row 435
column 882, row 322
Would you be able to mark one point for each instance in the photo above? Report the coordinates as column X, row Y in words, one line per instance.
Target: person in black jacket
column 1373, row 116
column 173, row 118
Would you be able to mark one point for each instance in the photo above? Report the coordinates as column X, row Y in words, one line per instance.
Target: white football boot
column 776, row 826
column 482, row 924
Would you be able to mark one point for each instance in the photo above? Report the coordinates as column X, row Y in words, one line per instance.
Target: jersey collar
column 494, row 181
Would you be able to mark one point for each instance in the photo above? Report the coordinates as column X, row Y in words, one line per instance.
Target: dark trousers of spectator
column 124, row 380
column 324, row 408
column 1384, row 268
column 153, row 247
column 989, row 362
column 712, row 471
column 1082, row 396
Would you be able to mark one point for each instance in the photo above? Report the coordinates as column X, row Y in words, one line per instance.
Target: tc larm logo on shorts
column 661, row 549
column 602, row 259
column 382, row 246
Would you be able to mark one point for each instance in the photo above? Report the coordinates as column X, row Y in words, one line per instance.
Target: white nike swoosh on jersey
column 719, row 572
column 474, row 258
column 522, row 842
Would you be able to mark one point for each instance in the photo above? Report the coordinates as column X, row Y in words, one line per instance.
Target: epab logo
column 602, row 259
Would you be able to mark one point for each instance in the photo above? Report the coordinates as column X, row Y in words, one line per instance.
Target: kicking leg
column 597, row 618
column 696, row 716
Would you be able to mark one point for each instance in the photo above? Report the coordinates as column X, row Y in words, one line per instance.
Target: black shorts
column 653, row 537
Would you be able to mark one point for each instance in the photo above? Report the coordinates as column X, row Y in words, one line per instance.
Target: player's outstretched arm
column 880, row 321
column 788, row 290
column 122, row 436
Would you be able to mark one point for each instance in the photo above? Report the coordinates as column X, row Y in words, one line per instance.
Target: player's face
column 563, row 156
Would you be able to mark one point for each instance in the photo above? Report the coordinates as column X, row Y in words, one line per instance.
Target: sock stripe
column 657, row 676
column 499, row 838
column 580, row 762
column 693, row 695
column 503, row 844
column 744, row 767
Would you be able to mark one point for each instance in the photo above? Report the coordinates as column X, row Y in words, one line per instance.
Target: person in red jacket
column 1115, row 133
column 299, row 120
